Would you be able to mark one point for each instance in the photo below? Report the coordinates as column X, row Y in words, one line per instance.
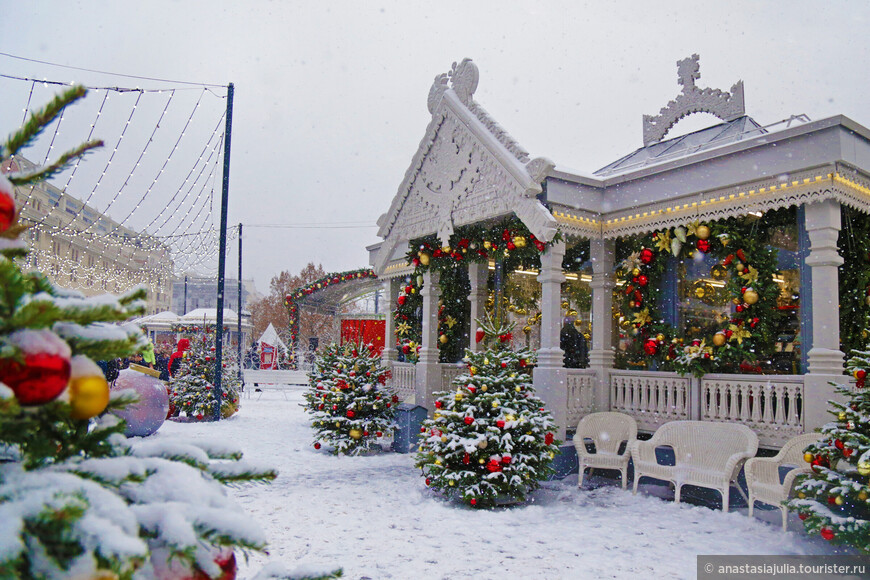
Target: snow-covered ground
column 374, row 517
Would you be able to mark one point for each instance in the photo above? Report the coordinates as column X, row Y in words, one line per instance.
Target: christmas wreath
column 745, row 265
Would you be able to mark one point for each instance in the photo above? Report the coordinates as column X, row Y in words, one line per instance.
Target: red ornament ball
column 365, row 433
column 646, row 255
column 549, row 438
column 438, row 404
column 506, row 459
column 504, row 365
column 827, row 533
column 650, row 347
column 832, row 499
column 428, row 481
column 378, row 434
column 402, row 300
column 7, row 204
column 469, row 420
column 499, row 424
column 40, row 379
column 473, row 501
column 350, row 414
column 803, row 516
column 642, row 280
column 478, row 336
column 317, row 445
column 466, row 459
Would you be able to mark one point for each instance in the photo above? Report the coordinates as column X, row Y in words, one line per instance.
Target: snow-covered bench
column 708, row 454
column 273, row 380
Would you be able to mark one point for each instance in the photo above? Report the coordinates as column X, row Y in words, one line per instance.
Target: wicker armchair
column 763, row 474
column 607, row 430
column 708, row 454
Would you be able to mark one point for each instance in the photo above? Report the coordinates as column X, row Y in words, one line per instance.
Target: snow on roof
column 270, row 337
column 208, row 314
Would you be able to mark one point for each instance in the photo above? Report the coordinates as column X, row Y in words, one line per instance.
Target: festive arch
column 353, row 282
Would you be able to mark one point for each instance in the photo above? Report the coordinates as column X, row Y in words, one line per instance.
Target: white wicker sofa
column 708, row 454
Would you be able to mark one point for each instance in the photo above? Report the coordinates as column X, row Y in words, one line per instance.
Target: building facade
column 201, row 292
column 691, row 248
column 79, row 248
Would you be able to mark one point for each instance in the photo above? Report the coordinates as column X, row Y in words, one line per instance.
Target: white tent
column 270, row 337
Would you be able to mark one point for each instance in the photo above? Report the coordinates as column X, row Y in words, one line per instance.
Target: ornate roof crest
column 726, row 106
column 463, row 78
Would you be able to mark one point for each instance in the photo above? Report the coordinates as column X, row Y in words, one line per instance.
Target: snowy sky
column 330, row 97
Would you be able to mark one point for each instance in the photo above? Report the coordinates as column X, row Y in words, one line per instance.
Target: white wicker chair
column 762, row 474
column 607, row 430
column 708, row 454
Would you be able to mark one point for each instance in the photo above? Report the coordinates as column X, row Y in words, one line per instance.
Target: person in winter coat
column 175, row 359
column 573, row 343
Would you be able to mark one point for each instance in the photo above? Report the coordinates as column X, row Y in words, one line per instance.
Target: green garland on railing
column 747, row 264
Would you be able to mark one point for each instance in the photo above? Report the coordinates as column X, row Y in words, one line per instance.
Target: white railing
column 772, row 405
column 652, row 398
column 450, row 371
column 404, row 375
column 581, row 395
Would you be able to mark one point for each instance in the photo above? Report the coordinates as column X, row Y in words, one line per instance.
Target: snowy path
column 374, row 517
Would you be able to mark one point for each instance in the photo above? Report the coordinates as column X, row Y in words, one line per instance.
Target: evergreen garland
column 854, row 276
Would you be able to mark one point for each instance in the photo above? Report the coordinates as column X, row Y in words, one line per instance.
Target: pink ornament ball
column 147, row 415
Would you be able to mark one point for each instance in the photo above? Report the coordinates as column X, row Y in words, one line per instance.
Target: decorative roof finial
column 726, row 106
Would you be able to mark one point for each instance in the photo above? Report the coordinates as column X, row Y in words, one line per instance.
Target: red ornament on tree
column 7, row 204
column 466, row 459
column 402, row 300
column 642, row 280
column 473, row 501
column 650, row 347
column 45, row 370
column 803, row 516
column 438, row 404
column 549, row 438
column 703, row 245
column 827, row 533
column 478, row 336
column 350, row 414
column 469, row 420
column 499, row 424
column 317, row 445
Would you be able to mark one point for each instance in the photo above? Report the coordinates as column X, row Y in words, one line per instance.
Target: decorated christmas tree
column 77, row 498
column 834, row 500
column 350, row 406
column 490, row 441
column 191, row 389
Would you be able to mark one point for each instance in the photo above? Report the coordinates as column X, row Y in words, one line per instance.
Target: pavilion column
column 391, row 292
column 428, row 371
column 550, row 376
column 601, row 356
column 822, row 223
column 477, row 276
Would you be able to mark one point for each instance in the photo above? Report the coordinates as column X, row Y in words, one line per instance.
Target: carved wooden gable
column 467, row 169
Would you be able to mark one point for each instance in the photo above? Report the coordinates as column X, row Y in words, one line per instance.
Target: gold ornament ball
column 700, row 292
column 337, row 424
column 518, row 389
column 424, row 259
column 719, row 339
column 446, row 249
column 436, row 415
column 864, row 467
column 442, row 339
column 444, row 439
column 450, row 483
column 88, row 396
column 355, row 434
column 481, row 461
column 487, row 245
column 437, row 462
column 635, row 272
column 703, row 232
column 739, row 267
column 482, row 445
column 801, row 495
column 520, row 242
column 458, row 396
column 838, row 500
column 808, row 457
column 495, row 404
column 862, row 495
column 750, row 296
column 660, row 337
column 841, row 416
column 484, row 389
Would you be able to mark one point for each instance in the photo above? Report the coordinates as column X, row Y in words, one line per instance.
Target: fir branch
column 48, row 171
column 234, row 473
column 40, row 119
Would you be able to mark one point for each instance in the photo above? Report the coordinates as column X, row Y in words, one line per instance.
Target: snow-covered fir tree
column 191, row 389
column 77, row 498
column 351, row 408
column 834, row 500
column 489, row 441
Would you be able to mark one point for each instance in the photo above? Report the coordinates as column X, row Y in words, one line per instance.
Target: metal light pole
column 239, row 318
column 222, row 260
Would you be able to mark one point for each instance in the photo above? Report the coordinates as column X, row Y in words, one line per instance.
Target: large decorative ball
column 424, row 258
column 646, row 255
column 88, row 396
column 147, row 415
column 808, row 457
column 703, row 232
column 719, row 339
column 355, row 434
